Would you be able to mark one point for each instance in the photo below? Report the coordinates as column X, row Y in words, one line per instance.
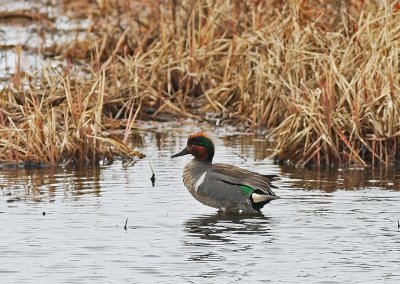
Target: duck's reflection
column 218, row 237
column 225, row 227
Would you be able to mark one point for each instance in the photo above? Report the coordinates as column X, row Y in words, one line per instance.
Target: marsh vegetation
column 320, row 78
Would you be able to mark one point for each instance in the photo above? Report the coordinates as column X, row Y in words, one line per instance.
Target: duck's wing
column 238, row 176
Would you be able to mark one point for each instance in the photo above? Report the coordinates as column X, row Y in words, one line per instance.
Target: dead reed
column 61, row 121
column 322, row 77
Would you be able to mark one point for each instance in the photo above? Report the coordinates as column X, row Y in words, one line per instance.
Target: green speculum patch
column 246, row 189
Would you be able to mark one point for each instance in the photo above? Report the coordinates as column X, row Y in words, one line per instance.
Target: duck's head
column 200, row 146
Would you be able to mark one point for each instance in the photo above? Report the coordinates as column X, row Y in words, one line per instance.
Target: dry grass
column 62, row 121
column 322, row 76
column 344, row 108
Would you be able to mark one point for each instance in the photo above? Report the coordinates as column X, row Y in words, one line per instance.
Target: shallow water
column 38, row 39
column 61, row 226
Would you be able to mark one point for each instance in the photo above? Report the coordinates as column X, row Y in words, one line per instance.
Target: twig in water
column 126, row 223
column 240, row 156
column 153, row 176
column 131, row 120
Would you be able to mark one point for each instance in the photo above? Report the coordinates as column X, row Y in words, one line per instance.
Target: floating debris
column 126, row 224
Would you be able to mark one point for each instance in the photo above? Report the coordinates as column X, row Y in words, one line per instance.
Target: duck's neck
column 199, row 167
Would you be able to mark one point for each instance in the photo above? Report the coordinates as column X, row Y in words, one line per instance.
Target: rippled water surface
column 61, row 226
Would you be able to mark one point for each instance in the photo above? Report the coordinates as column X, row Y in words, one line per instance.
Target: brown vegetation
column 322, row 77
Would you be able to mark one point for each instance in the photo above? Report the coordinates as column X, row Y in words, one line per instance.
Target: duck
column 228, row 188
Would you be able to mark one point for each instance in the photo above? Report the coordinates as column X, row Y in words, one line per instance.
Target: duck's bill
column 181, row 153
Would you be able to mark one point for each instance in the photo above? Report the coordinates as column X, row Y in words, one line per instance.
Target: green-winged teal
column 223, row 186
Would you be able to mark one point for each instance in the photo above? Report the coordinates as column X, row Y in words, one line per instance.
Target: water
column 61, row 226
column 38, row 39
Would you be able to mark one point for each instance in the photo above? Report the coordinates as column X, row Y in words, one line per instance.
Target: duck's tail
column 259, row 199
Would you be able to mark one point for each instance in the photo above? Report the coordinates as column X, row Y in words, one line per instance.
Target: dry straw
column 323, row 78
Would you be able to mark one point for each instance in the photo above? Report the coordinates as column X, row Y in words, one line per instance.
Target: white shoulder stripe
column 199, row 181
